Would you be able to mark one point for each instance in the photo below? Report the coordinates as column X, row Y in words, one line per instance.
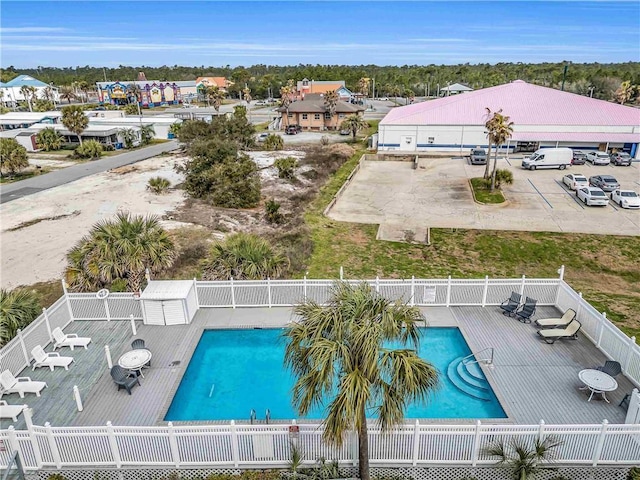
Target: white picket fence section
column 241, row 446
column 260, row 446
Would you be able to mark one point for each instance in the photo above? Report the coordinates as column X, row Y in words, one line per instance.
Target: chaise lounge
column 550, row 335
column 10, row 411
column 563, row 321
column 51, row 359
column 71, row 340
column 20, row 385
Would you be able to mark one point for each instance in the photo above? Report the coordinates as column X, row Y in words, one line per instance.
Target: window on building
column 341, row 115
column 290, row 115
column 430, row 139
column 327, row 116
column 316, row 116
column 305, row 116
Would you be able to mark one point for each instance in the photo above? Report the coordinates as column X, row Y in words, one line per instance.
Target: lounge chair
column 138, row 344
column 611, row 367
column 550, row 335
column 123, row 378
column 20, row 385
column 51, row 359
column 510, row 305
column 10, row 411
column 71, row 340
column 563, row 321
column 524, row 313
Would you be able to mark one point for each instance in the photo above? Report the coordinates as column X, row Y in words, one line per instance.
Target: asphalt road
column 53, row 179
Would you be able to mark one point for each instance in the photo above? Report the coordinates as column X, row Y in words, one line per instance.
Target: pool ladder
column 267, row 416
column 253, row 417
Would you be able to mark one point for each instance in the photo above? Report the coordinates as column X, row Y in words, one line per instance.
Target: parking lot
column 437, row 194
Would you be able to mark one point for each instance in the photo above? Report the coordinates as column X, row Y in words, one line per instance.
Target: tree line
column 596, row 79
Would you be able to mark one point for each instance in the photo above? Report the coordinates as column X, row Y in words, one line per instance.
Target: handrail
column 488, row 361
column 252, row 416
column 267, row 416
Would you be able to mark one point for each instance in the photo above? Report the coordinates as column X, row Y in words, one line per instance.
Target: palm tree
column 340, row 350
column 128, row 137
column 67, row 94
column 625, row 92
column 500, row 129
column 74, row 120
column 146, row 134
column 243, row 256
column 18, row 308
column 354, row 123
column 48, row 93
column 120, row 249
column 134, row 95
column 523, row 460
column 330, row 104
column 214, row 96
column 28, row 92
column 48, row 139
column 363, row 86
column 286, row 94
column 84, row 87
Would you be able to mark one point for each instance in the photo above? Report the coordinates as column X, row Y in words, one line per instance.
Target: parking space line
column 612, row 206
column 539, row 193
column 507, row 159
column 568, row 192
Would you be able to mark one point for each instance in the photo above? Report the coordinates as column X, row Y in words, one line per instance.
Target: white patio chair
column 10, row 411
column 71, row 340
column 20, row 385
column 51, row 359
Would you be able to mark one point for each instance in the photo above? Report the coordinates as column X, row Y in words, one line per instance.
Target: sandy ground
column 37, row 252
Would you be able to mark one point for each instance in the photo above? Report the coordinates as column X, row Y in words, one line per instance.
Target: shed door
column 173, row 312
column 153, row 313
column 408, row 142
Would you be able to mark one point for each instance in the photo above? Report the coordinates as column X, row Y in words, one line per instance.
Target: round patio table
column 597, row 382
column 134, row 360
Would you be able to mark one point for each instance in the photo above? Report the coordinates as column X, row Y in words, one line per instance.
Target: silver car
column 592, row 196
column 575, row 181
column 605, row 182
column 478, row 156
column 598, row 158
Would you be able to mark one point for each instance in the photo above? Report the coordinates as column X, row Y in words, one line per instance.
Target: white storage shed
column 169, row 302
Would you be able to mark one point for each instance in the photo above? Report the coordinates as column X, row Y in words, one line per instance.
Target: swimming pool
column 232, row 372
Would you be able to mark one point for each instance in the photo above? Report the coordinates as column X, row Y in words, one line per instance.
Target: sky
column 155, row 33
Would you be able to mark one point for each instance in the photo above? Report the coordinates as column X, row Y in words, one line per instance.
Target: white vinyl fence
column 253, row 446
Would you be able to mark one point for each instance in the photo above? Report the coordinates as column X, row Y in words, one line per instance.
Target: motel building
column 542, row 117
column 153, row 93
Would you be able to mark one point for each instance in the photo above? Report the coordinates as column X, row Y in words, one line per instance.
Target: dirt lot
column 438, row 194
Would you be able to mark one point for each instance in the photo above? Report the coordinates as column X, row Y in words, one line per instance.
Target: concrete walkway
column 53, row 179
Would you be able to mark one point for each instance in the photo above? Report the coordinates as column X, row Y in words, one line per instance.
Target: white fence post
column 133, row 325
column 14, row 446
column 541, row 431
column 522, row 282
column 475, row 449
column 233, row 295
column 106, row 310
column 486, row 289
column 630, row 346
column 601, row 323
column 269, row 290
column 195, row 289
column 67, row 301
column 46, row 322
column 113, row 443
column 173, row 444
column 413, row 290
column 377, row 284
column 598, row 450
column 235, row 450
column 53, row 446
column 561, row 272
column 579, row 307
column 341, row 273
column 304, row 287
column 449, row 290
column 24, row 347
column 107, row 353
column 416, row 443
column 76, row 395
column 28, row 419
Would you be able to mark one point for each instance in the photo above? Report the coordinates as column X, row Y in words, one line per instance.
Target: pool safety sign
column 294, row 432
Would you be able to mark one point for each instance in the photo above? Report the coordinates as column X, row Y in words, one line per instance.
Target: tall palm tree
column 214, row 96
column 18, row 308
column 74, row 120
column 48, row 139
column 134, row 95
column 340, row 353
column 500, row 129
column 48, row 93
column 286, row 97
column 625, row 92
column 84, row 87
column 28, row 93
column 330, row 105
column 119, row 249
column 66, row 93
column 363, row 86
column 354, row 123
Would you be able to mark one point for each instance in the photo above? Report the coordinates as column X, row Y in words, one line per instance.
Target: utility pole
column 564, row 76
column 104, row 71
column 373, row 92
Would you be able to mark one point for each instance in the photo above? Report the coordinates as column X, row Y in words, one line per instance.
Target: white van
column 559, row 158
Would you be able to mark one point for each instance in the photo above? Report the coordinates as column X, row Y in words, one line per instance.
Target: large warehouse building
column 542, row 117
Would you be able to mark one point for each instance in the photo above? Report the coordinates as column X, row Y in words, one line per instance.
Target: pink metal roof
column 524, row 103
column 577, row 137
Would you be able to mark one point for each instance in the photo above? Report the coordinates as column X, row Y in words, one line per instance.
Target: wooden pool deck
column 533, row 380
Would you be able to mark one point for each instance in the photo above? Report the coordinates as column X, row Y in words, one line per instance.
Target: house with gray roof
column 311, row 113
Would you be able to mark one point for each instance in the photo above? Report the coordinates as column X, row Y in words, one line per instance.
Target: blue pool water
column 234, row 371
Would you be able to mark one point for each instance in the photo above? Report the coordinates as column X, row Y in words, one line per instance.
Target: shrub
column 13, row 156
column 42, row 105
column 18, row 308
column 286, row 167
column 634, row 474
column 131, row 109
column 272, row 212
column 244, row 256
column 341, row 151
column 503, row 176
column 324, row 140
column 91, row 149
column 48, row 139
column 273, row 142
column 158, row 185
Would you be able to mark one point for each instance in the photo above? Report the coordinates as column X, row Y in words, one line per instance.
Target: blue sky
column 112, row 33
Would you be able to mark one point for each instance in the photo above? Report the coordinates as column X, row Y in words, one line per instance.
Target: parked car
column 478, row 156
column 260, row 103
column 262, row 136
column 549, row 158
column 291, row 130
column 384, row 99
column 626, row 198
column 345, row 131
column 592, row 196
column 575, row 181
column 578, row 158
column 605, row 182
column 598, row 158
column 621, row 159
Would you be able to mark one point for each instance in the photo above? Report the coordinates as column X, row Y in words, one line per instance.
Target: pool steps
column 469, row 379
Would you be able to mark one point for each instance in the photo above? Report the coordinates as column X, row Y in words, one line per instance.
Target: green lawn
column 483, row 195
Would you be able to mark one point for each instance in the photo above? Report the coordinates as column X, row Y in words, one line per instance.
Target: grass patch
column 483, row 194
column 262, row 127
column 48, row 292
